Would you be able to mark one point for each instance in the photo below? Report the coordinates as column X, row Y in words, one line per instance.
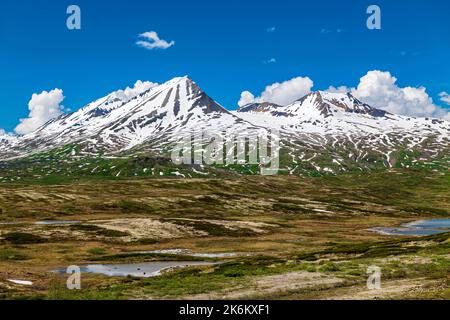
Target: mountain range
column 321, row 132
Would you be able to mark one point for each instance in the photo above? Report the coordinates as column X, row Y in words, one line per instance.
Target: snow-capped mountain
column 323, row 132
column 261, row 107
column 6, row 141
column 119, row 122
column 332, row 132
column 326, row 113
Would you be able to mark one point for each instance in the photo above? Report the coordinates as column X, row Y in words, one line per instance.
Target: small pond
column 187, row 252
column 417, row 228
column 56, row 222
column 142, row 270
column 42, row 223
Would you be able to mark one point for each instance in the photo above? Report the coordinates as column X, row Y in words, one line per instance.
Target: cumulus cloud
column 445, row 97
column 246, row 98
column 152, row 41
column 280, row 93
column 377, row 88
column 341, row 89
column 380, row 89
column 138, row 88
column 43, row 107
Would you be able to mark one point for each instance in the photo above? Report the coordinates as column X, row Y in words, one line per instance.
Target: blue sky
column 224, row 46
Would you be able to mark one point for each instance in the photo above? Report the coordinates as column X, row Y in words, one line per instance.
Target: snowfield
column 321, row 123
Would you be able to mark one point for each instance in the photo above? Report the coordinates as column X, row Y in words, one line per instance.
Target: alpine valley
column 357, row 187
column 125, row 134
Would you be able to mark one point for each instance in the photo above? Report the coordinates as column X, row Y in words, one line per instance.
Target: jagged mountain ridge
column 113, row 124
column 325, row 113
column 260, row 107
column 334, row 131
column 323, row 102
column 323, row 131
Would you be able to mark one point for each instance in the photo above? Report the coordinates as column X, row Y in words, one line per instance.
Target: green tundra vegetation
column 293, row 237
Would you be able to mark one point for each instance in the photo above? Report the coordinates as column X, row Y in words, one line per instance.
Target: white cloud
column 246, row 98
column 138, row 88
column 379, row 89
column 341, row 89
column 280, row 93
column 43, row 107
column 269, row 61
column 153, row 41
column 445, row 97
column 271, row 29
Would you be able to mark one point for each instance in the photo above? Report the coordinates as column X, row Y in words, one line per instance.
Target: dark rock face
column 259, row 107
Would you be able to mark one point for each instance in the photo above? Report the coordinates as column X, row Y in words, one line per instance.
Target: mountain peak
column 258, row 107
column 178, row 80
column 313, row 104
column 326, row 95
column 155, row 115
column 330, row 102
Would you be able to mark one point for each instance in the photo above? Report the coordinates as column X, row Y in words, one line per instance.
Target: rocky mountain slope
column 335, row 132
column 117, row 122
column 321, row 133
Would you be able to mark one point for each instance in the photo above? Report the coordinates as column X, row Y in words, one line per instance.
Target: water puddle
column 417, row 228
column 41, row 223
column 187, row 252
column 430, row 224
column 142, row 270
column 55, row 222
column 21, row 282
column 214, row 255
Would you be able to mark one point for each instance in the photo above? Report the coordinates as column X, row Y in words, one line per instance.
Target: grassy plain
column 295, row 237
